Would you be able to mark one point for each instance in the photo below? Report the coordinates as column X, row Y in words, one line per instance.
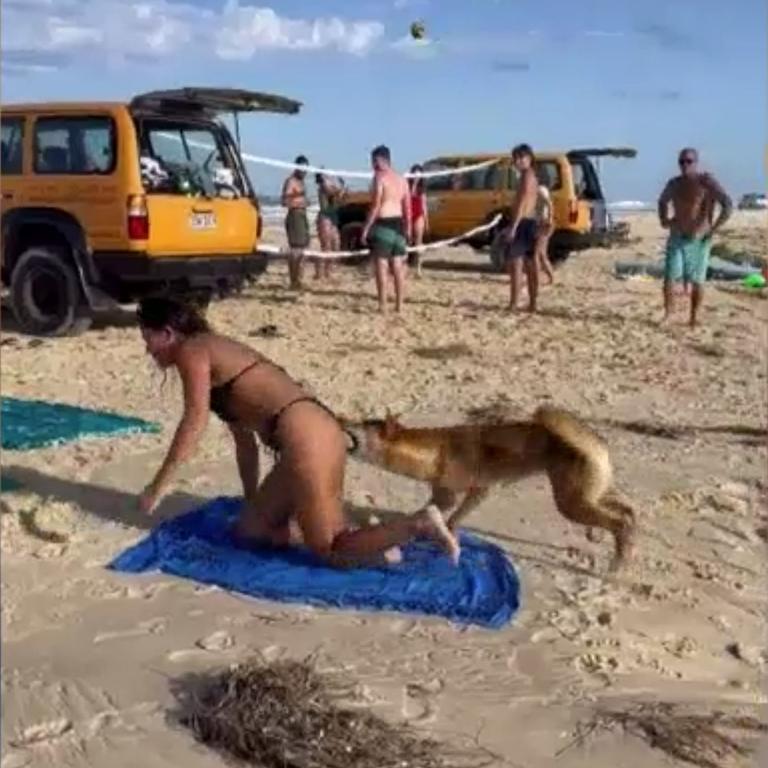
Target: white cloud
column 161, row 28
column 246, row 29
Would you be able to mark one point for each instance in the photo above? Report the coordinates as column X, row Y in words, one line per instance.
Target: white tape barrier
column 336, row 172
column 277, row 250
column 365, row 174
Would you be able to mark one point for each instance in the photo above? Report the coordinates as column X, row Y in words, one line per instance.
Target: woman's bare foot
column 393, row 556
column 431, row 524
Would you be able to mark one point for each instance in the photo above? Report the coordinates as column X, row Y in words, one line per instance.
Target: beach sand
column 90, row 657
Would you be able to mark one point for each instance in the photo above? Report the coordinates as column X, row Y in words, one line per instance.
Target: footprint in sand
column 42, row 733
column 216, row 642
column 151, row 627
column 422, row 696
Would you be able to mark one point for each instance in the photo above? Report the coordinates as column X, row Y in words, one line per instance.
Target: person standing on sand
column 520, row 235
column 329, row 195
column 693, row 196
column 294, row 198
column 388, row 227
column 544, row 229
column 419, row 215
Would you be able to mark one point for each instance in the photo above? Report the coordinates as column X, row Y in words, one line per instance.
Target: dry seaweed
column 445, row 352
column 712, row 740
column 285, row 714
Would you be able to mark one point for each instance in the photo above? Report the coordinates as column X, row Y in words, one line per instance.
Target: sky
column 653, row 74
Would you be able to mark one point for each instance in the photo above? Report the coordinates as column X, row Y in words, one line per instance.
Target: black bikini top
column 221, row 393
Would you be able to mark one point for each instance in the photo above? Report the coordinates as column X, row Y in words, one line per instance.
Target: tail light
column 138, row 218
column 573, row 211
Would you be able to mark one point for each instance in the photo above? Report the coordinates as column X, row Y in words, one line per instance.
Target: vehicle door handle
column 7, row 195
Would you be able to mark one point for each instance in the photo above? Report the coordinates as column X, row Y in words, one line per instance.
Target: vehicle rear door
column 179, row 128
column 593, row 211
column 188, row 213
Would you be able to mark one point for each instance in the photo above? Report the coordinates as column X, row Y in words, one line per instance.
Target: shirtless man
column 388, row 227
column 693, row 196
column 521, row 234
column 294, row 198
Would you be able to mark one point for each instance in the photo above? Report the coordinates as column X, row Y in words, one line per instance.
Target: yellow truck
column 106, row 202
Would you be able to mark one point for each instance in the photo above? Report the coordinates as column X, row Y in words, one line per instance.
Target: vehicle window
column 585, row 183
column 479, row 180
column 182, row 158
column 440, row 183
column 11, row 148
column 548, row 172
column 579, row 180
column 74, row 145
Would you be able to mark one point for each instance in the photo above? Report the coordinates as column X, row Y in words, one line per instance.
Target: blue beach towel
column 29, row 424
column 482, row 590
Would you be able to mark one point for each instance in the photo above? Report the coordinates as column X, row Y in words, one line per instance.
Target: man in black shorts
column 521, row 234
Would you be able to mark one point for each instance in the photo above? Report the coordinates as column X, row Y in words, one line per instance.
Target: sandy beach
column 90, row 657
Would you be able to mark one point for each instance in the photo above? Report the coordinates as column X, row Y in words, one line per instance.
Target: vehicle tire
column 497, row 251
column 558, row 255
column 46, row 296
column 351, row 240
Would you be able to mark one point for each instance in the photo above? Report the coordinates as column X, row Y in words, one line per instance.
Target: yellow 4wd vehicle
column 104, row 203
column 460, row 202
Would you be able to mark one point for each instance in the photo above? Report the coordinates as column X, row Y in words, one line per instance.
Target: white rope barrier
column 336, row 172
column 365, row 174
column 276, row 250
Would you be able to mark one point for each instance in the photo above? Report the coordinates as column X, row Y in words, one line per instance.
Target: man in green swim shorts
column 693, row 196
column 387, row 229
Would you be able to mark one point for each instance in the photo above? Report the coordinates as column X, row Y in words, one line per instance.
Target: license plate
column 202, row 221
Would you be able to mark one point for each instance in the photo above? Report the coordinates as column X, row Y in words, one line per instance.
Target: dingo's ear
column 391, row 425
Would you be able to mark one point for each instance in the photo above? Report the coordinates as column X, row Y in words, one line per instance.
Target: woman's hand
column 149, row 499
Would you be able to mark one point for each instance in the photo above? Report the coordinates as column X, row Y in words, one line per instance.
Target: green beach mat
column 29, row 424
column 8, row 484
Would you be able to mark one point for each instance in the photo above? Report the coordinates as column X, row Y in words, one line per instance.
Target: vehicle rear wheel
column 46, row 296
column 351, row 239
column 497, row 251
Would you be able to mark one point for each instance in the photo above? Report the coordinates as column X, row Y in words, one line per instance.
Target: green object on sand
column 30, row 424
column 8, row 484
column 754, row 281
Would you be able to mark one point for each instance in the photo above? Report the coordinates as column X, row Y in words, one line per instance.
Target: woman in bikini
column 329, row 195
column 544, row 229
column 419, row 215
column 255, row 397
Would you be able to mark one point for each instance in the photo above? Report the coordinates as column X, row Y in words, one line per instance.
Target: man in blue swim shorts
column 693, row 196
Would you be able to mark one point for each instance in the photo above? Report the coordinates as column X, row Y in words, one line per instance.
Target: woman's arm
column 194, row 368
column 426, row 211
